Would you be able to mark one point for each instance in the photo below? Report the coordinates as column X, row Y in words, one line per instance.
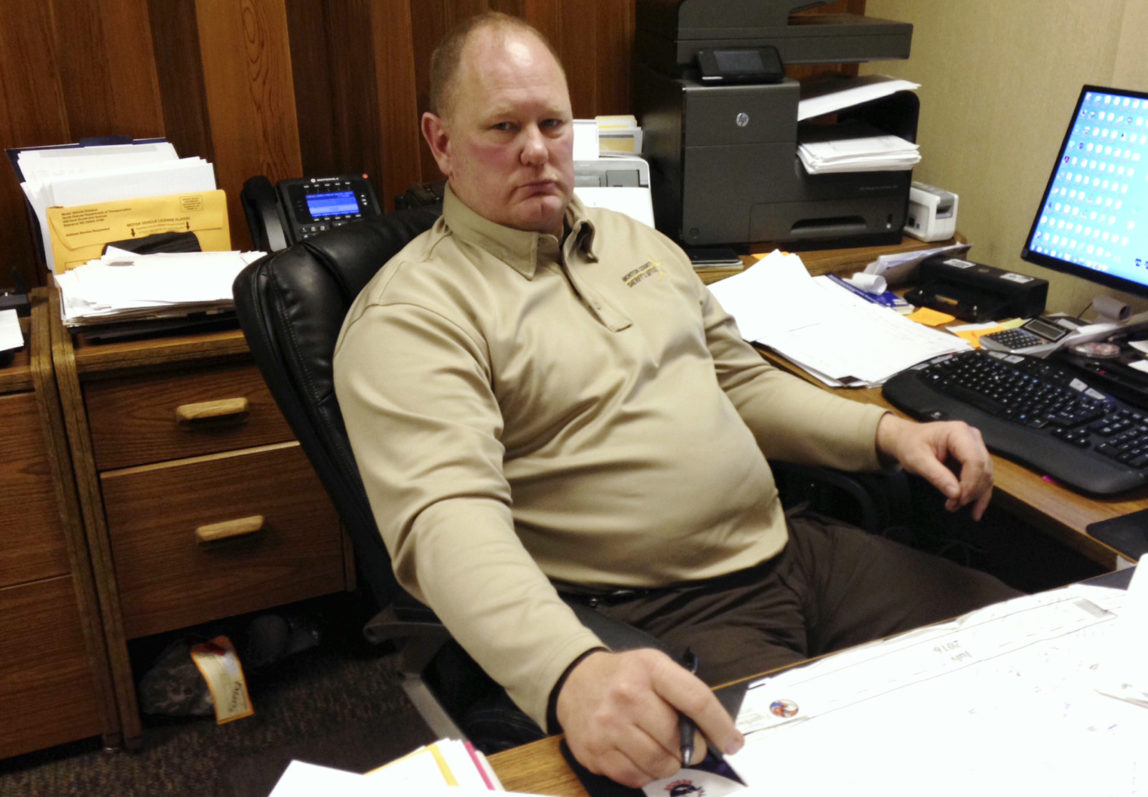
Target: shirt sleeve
column 415, row 393
column 791, row 419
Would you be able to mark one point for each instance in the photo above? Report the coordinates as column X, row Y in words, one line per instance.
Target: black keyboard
column 1036, row 412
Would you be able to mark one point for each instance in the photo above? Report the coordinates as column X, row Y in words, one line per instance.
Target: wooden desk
column 1057, row 511
column 537, row 768
column 169, row 435
column 55, row 683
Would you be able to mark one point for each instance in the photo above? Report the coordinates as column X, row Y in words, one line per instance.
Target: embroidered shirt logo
column 648, row 269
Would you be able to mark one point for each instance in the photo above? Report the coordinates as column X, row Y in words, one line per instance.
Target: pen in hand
column 686, row 727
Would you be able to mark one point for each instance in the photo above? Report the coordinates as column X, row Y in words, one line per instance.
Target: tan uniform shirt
column 522, row 410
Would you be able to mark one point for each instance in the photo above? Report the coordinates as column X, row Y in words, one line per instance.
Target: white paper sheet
column 997, row 702
column 1122, row 671
column 826, row 330
column 124, row 284
column 835, row 92
column 11, row 336
column 89, row 172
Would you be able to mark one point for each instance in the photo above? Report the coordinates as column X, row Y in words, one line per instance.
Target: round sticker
column 783, row 708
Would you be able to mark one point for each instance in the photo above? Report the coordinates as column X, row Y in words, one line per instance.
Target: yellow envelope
column 79, row 232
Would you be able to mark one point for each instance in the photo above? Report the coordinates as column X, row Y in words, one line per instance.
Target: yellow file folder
column 79, row 232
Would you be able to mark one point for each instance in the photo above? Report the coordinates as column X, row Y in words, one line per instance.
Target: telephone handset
column 293, row 210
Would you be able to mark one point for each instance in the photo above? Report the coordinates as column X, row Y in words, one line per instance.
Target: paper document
column 634, row 201
column 834, row 92
column 83, row 175
column 123, row 285
column 900, row 267
column 11, row 336
column 1123, row 669
column 837, row 337
column 999, row 701
column 831, row 150
column 585, row 139
column 446, row 768
column 619, row 133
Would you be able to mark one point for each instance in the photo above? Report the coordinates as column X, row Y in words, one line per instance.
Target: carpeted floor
column 339, row 704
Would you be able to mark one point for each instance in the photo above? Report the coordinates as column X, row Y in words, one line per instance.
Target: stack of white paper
column 619, row 134
column 448, row 767
column 11, row 336
column 85, row 175
column 855, row 148
column 850, row 146
column 124, row 285
column 829, row 332
column 999, row 701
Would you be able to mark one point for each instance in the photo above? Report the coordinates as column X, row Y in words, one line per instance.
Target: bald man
column 545, row 401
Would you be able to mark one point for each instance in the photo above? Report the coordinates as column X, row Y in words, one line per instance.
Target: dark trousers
column 833, row 586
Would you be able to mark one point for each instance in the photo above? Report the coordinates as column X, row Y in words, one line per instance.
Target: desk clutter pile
column 130, row 231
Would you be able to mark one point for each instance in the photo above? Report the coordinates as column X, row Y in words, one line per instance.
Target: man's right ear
column 438, row 139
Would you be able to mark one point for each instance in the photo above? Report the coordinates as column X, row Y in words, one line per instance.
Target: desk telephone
column 295, row 209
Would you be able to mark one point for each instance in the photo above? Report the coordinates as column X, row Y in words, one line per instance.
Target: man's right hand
column 620, row 712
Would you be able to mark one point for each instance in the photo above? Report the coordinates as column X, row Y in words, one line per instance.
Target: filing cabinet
column 198, row 502
column 55, row 684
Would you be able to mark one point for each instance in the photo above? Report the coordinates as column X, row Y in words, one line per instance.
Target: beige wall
column 999, row 79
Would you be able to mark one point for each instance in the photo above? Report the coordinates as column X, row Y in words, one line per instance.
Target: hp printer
column 723, row 153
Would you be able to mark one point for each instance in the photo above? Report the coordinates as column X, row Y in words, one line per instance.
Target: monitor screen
column 1093, row 219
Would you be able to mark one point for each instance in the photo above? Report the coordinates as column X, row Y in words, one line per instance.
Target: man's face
column 507, row 143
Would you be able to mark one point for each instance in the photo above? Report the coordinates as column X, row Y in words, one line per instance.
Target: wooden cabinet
column 198, row 502
column 55, row 684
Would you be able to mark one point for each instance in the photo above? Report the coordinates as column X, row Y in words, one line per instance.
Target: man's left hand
column 925, row 448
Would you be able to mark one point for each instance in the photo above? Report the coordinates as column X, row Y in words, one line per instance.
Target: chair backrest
column 291, row 306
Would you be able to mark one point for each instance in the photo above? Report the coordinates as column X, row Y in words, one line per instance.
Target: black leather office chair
column 291, row 305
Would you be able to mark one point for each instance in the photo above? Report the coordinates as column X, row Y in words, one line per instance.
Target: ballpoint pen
column 686, row 727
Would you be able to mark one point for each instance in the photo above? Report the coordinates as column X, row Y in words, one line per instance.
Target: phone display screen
column 740, row 61
column 332, row 203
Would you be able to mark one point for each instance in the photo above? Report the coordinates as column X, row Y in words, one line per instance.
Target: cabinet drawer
column 33, row 537
column 136, row 420
column 168, row 579
column 47, row 696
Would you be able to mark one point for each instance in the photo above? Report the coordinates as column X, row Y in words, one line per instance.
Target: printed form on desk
column 1046, row 694
column 832, row 334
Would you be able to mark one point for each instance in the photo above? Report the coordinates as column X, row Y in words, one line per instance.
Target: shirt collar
column 522, row 250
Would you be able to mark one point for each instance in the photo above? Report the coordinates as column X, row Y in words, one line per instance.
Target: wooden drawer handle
column 229, row 529
column 205, row 412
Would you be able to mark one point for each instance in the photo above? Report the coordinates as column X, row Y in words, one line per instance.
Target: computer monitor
column 1093, row 219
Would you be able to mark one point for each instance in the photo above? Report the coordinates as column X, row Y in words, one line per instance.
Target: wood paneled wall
column 275, row 87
